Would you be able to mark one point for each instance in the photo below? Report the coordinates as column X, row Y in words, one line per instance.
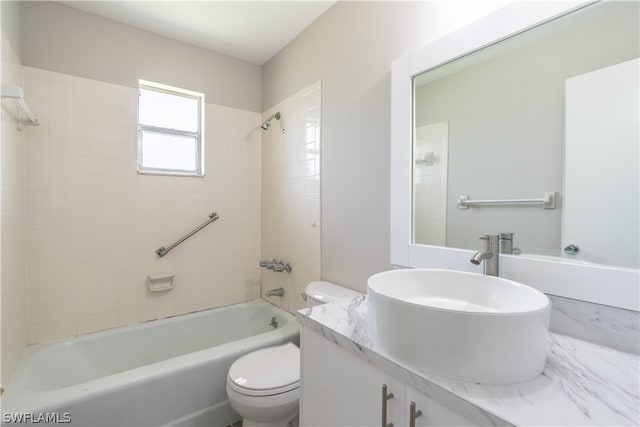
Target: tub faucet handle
column 572, row 249
column 268, row 264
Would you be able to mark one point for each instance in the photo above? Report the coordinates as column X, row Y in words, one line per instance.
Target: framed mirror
column 493, row 125
column 490, row 134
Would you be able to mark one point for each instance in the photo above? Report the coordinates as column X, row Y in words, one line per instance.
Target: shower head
column 267, row 123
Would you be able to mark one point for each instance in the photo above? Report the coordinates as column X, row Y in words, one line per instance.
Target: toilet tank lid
column 324, row 291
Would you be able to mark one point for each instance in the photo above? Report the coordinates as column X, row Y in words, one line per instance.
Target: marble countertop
column 583, row 384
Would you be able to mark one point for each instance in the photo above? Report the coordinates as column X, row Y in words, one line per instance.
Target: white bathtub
column 165, row 372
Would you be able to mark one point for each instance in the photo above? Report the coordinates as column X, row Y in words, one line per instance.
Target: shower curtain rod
column 15, row 92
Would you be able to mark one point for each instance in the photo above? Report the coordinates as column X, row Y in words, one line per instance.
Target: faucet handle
column 489, row 237
column 491, row 242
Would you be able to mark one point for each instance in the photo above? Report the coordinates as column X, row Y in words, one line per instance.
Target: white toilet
column 322, row 292
column 264, row 386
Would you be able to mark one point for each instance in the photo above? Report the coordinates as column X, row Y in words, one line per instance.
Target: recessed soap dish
column 160, row 281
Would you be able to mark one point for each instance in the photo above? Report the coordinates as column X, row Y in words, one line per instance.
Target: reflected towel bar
column 162, row 251
column 547, row 202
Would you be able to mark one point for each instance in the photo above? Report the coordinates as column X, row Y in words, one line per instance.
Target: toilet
column 322, row 292
column 264, row 386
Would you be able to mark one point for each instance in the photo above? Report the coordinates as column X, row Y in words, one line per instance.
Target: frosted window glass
column 166, row 151
column 168, row 111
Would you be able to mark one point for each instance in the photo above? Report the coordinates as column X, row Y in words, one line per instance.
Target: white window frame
column 198, row 134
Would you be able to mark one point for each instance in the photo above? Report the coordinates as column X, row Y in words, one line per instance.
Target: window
column 170, row 130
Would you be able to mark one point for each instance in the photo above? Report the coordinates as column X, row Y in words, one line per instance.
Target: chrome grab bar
column 162, row 251
column 548, row 201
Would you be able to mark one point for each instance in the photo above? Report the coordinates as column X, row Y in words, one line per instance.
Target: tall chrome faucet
column 490, row 255
column 506, row 244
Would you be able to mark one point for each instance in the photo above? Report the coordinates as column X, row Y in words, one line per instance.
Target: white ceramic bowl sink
column 459, row 325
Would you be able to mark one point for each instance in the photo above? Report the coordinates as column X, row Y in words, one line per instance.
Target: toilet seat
column 266, row 372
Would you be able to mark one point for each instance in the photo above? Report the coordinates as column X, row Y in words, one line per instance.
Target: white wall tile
column 40, row 332
column 291, row 194
column 64, row 328
column 93, row 224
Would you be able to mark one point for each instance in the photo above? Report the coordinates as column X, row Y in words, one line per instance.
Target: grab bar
column 547, row 202
column 162, row 251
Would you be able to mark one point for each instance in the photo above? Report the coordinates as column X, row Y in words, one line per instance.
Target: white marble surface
column 601, row 324
column 583, row 384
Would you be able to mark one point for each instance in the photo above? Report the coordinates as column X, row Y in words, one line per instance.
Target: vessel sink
column 459, row 325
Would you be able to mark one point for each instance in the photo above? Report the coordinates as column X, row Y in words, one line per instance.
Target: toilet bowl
column 264, row 386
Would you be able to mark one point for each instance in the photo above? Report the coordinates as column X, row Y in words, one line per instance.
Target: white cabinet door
column 338, row 389
column 433, row 413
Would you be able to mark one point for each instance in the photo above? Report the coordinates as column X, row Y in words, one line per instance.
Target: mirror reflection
column 537, row 136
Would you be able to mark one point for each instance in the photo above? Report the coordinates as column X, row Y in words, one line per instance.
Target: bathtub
column 167, row 372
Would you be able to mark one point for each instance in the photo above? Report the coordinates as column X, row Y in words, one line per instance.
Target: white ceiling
column 253, row 31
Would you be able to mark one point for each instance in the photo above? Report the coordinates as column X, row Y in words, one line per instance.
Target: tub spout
column 275, row 292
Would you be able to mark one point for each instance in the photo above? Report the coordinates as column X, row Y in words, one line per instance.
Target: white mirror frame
column 613, row 286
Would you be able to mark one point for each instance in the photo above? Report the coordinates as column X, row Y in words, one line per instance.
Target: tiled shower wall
column 93, row 223
column 13, row 252
column 291, row 195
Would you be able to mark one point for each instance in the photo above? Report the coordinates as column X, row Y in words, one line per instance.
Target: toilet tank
column 322, row 292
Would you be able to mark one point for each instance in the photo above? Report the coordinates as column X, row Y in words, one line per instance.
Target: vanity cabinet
column 338, row 389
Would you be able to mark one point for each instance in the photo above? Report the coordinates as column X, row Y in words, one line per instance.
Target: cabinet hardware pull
column 413, row 414
column 385, row 396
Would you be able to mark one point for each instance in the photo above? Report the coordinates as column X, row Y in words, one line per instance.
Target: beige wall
column 11, row 25
column 350, row 49
column 13, row 282
column 62, row 39
column 93, row 223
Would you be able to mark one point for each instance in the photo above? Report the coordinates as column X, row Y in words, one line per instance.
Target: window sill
column 169, row 173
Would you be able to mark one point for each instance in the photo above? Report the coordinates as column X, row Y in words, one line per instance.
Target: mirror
column 535, row 135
